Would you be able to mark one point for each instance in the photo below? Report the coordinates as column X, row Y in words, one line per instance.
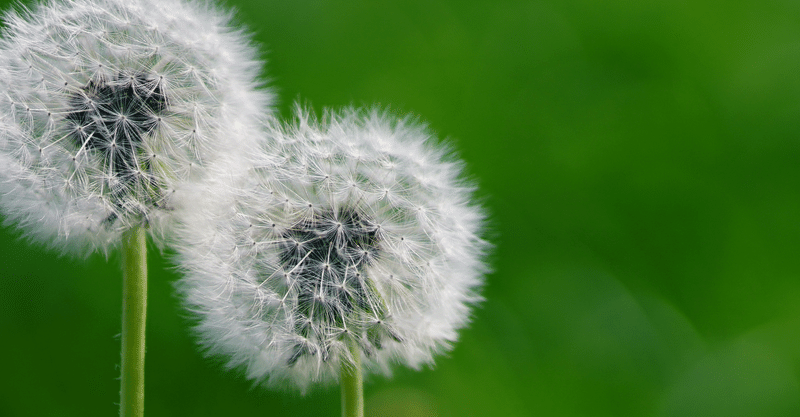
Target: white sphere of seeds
column 109, row 107
column 357, row 231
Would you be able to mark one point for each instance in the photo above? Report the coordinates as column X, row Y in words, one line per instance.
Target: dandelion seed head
column 331, row 239
column 110, row 108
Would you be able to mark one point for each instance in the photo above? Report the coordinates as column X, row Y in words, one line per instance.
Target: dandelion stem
column 134, row 313
column 352, row 384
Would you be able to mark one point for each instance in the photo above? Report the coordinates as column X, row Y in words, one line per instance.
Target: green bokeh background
column 640, row 163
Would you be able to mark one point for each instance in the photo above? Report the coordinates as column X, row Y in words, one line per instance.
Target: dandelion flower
column 110, row 111
column 352, row 237
column 107, row 107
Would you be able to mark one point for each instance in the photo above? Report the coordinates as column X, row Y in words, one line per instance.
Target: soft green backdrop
column 640, row 161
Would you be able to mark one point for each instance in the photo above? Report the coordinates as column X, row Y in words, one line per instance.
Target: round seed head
column 355, row 231
column 109, row 108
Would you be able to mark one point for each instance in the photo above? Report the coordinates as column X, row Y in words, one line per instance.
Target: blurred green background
column 640, row 163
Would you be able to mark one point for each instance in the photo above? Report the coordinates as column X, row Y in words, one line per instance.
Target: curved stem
column 134, row 313
column 352, row 384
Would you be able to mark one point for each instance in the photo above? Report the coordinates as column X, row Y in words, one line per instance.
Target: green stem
column 352, row 384
column 134, row 313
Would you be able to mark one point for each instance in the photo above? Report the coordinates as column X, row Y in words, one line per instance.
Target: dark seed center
column 110, row 118
column 327, row 256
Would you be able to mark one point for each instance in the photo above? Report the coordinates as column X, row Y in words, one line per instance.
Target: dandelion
column 353, row 240
column 108, row 106
column 109, row 111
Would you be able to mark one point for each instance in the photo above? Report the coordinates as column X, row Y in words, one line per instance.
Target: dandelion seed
column 107, row 107
column 342, row 269
column 111, row 114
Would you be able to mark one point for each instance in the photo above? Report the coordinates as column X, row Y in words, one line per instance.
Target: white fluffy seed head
column 358, row 230
column 109, row 108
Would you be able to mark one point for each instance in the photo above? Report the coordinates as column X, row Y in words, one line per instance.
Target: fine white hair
column 109, row 108
column 355, row 230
